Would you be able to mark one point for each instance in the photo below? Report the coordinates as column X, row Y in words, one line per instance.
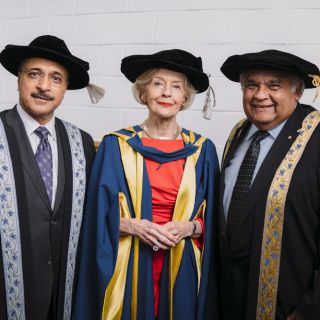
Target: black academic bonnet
column 51, row 48
column 273, row 60
column 175, row 59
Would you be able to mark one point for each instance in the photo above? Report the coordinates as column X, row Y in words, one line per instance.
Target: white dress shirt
column 31, row 125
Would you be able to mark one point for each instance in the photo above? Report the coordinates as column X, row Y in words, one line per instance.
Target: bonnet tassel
column 316, row 83
column 209, row 102
column 96, row 93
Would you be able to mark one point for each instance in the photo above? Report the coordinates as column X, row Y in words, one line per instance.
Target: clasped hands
column 164, row 236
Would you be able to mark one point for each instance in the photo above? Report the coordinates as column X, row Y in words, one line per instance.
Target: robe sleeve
column 199, row 241
column 208, row 307
column 100, row 226
column 309, row 304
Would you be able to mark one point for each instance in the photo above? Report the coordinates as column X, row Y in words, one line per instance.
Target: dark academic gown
column 299, row 288
column 44, row 232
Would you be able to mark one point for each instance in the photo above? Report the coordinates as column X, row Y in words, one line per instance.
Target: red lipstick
column 165, row 104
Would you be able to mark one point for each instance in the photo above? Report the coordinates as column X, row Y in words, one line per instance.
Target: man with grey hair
column 269, row 214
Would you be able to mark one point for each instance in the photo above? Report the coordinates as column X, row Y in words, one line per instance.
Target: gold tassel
column 316, row 83
column 208, row 104
column 96, row 93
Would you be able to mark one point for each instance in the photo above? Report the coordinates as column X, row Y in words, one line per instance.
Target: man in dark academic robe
column 42, row 183
column 269, row 227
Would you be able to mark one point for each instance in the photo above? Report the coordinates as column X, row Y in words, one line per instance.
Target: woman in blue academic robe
column 149, row 225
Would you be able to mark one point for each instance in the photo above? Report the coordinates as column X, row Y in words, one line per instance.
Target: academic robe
column 298, row 287
column 115, row 279
column 44, row 232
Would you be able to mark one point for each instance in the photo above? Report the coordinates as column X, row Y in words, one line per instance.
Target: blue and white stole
column 10, row 229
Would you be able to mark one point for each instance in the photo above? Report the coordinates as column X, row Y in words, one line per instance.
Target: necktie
column 244, row 179
column 44, row 158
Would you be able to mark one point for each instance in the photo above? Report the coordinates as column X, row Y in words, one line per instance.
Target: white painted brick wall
column 127, row 28
column 192, row 27
column 79, row 29
column 287, row 4
column 100, row 6
column 50, row 8
column 22, row 30
column 152, row 5
column 13, row 8
column 2, row 32
column 104, row 31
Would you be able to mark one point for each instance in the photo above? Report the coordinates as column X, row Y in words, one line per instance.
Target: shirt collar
column 273, row 132
column 31, row 125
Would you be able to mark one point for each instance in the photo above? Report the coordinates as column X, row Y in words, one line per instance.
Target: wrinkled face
column 165, row 93
column 41, row 85
column 269, row 97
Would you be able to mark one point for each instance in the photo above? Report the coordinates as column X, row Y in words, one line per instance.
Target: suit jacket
column 44, row 232
column 240, row 251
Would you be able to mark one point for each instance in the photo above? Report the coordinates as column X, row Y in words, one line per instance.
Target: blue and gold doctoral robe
column 115, row 280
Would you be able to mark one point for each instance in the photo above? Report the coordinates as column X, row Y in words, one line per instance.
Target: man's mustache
column 41, row 95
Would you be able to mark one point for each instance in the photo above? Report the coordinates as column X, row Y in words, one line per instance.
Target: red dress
column 165, row 180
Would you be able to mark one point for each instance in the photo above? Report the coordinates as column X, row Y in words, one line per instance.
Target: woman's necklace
column 147, row 132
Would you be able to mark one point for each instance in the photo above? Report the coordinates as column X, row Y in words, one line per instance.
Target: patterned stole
column 10, row 230
column 78, row 194
column 10, row 234
column 274, row 218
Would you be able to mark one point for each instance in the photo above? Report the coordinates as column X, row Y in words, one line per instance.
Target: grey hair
column 296, row 81
column 139, row 88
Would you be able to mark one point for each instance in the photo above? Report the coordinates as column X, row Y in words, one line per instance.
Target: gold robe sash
column 274, row 218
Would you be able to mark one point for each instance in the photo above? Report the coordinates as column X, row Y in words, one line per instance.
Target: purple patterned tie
column 44, row 158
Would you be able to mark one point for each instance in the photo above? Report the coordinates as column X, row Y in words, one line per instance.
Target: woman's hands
column 163, row 236
column 150, row 233
column 179, row 230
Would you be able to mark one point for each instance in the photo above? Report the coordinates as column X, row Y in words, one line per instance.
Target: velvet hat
column 51, row 48
column 175, row 59
column 271, row 60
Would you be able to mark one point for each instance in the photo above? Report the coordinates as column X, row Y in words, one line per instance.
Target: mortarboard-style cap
column 52, row 48
column 273, row 60
column 175, row 59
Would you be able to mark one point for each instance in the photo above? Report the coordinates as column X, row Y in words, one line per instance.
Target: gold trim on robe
column 231, row 137
column 182, row 212
column 113, row 300
column 274, row 218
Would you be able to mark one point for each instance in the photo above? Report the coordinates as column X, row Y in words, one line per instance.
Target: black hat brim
column 132, row 67
column 12, row 57
column 233, row 71
column 269, row 60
